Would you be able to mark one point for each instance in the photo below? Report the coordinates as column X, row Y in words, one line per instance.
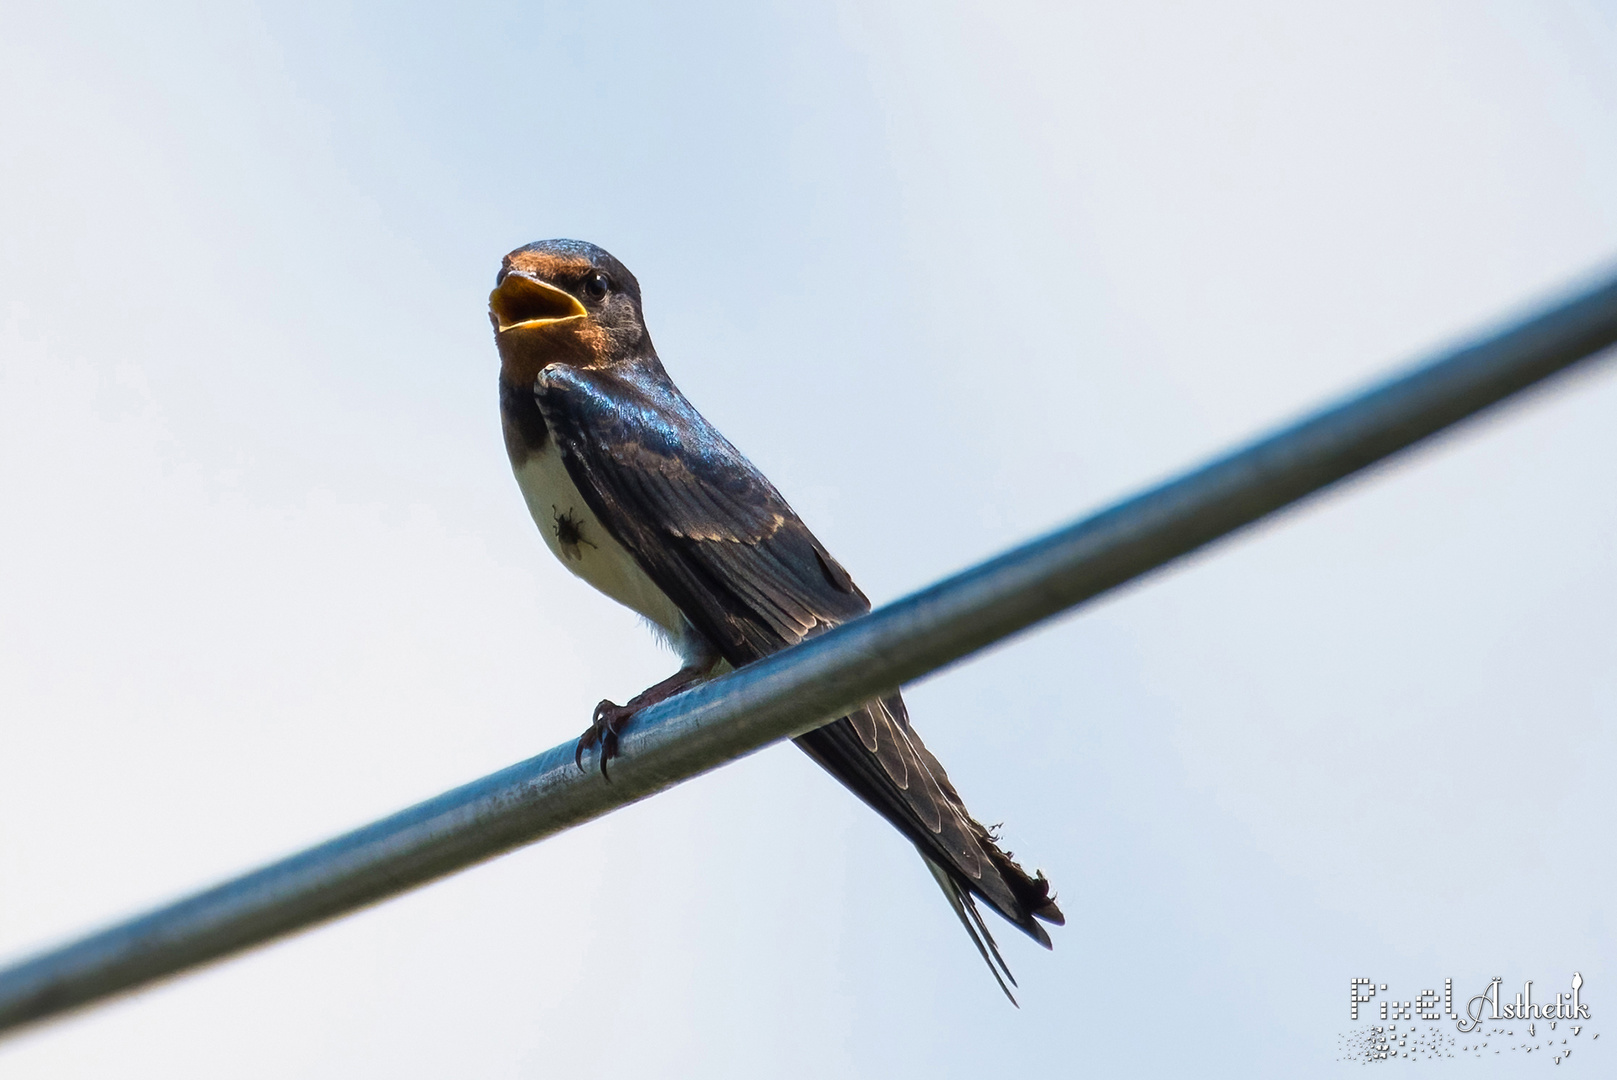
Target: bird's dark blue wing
column 707, row 527
column 713, row 533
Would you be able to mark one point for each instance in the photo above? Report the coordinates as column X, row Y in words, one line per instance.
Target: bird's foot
column 603, row 731
column 610, row 718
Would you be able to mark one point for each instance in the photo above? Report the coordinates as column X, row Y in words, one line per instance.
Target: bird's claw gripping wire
column 605, row 727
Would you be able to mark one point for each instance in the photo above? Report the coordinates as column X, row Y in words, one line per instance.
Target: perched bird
column 641, row 497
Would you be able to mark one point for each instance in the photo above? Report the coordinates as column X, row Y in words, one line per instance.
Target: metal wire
column 801, row 688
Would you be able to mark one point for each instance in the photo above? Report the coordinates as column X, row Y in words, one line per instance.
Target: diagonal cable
column 798, row 689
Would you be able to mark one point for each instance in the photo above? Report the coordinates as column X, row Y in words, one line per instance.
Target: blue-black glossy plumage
column 721, row 542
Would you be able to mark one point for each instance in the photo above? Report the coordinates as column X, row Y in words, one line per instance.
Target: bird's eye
column 597, row 285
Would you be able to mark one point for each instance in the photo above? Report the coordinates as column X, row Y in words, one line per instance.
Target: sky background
column 951, row 275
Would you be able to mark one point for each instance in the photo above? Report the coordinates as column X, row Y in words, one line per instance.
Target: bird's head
column 564, row 302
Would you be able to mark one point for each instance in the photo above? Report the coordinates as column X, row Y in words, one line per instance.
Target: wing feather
column 717, row 537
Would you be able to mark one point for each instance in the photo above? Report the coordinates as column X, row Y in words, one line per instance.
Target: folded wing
column 712, row 532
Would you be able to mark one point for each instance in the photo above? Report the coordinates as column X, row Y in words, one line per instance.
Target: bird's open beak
column 521, row 301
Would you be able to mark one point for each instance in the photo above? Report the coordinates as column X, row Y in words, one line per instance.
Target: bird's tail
column 965, row 909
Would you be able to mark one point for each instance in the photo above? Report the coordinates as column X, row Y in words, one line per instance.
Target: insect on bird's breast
column 577, row 538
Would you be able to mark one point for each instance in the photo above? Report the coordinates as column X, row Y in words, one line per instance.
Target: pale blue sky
column 950, row 276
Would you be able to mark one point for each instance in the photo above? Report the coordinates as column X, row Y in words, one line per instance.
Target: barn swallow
column 641, row 497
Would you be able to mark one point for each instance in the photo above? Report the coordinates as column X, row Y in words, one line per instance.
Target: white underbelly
column 577, row 538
